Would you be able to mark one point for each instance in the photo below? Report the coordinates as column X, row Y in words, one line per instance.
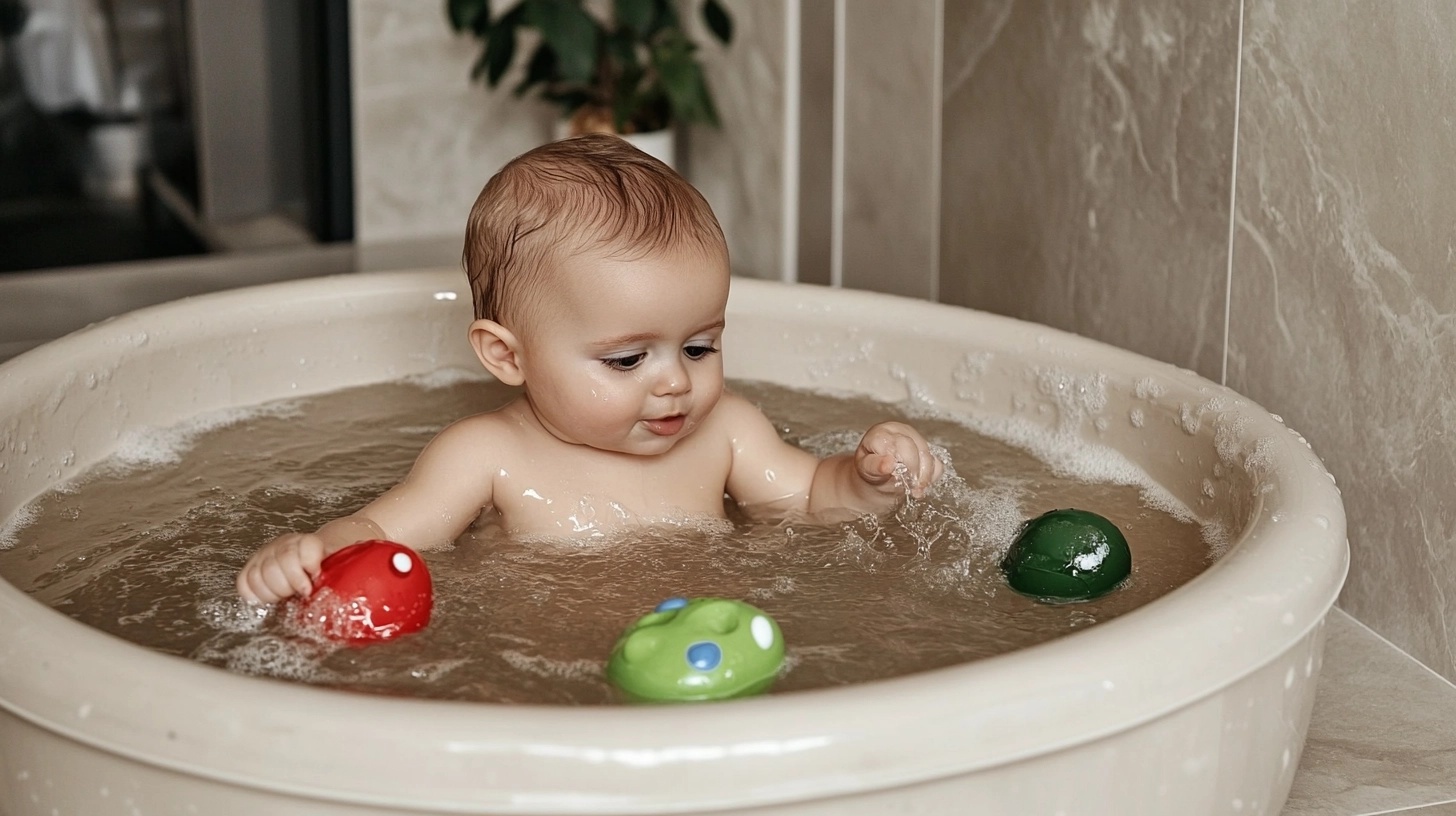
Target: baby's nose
column 672, row 380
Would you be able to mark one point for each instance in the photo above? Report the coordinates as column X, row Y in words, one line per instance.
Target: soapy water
column 147, row 546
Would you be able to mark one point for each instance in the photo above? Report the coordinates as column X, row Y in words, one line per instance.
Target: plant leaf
column 636, row 16
column 718, row 21
column 541, row 68
column 666, row 15
column 620, row 48
column 500, row 46
column 683, row 80
column 465, row 14
column 569, row 100
column 571, row 33
column 625, row 100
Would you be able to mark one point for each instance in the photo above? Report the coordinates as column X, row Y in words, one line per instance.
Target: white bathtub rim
column 630, row 801
column 64, row 351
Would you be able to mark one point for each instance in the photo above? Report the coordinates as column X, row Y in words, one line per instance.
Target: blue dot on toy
column 705, row 655
column 697, row 649
column 1067, row 555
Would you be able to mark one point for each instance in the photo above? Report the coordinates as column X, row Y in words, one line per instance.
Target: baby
column 600, row 279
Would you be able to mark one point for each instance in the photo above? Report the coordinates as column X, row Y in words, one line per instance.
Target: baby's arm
column 444, row 492
column 866, row 481
column 770, row 474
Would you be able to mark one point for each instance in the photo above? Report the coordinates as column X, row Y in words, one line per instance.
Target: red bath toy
column 376, row 590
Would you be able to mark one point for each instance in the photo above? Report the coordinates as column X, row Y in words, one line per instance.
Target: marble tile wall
column 426, row 138
column 815, row 218
column 1343, row 314
column 1087, row 152
column 1086, row 168
column 890, row 190
column 740, row 167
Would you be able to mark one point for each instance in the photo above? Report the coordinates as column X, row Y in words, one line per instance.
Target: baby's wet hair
column 588, row 193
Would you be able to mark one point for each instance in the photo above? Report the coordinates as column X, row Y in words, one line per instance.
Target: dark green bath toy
column 699, row 649
column 1067, row 555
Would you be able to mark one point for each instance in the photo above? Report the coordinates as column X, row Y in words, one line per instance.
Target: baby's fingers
column 878, row 468
column 263, row 581
column 931, row 468
column 921, row 466
column 283, row 577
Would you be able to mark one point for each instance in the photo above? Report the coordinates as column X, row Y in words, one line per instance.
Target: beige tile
column 422, row 158
column 1343, row 297
column 816, row 141
column 740, row 168
column 1382, row 735
column 890, row 138
column 1086, row 168
column 1443, row 809
column 425, row 137
column 407, row 45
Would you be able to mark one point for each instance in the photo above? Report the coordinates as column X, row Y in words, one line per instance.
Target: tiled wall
column 1344, row 297
column 1087, row 165
column 1087, row 154
column 425, row 138
column 1073, row 164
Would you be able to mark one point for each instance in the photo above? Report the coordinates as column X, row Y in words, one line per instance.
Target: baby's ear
column 496, row 347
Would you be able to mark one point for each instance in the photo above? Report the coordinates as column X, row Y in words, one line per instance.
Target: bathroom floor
column 1383, row 735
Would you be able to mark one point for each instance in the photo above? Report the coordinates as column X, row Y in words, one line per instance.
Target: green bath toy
column 1067, row 555
column 699, row 649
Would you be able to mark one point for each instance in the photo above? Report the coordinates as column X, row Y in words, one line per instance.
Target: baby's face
column 623, row 355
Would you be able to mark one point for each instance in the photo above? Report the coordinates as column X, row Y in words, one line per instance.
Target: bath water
column 146, row 546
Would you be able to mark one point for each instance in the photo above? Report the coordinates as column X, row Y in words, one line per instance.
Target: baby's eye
column 698, row 352
column 626, row 363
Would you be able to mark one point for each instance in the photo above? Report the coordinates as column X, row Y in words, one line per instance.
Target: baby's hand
column 889, row 444
column 281, row 568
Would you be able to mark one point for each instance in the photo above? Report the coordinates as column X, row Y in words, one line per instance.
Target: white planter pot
column 659, row 144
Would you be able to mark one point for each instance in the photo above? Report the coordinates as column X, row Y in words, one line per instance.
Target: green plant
column 634, row 68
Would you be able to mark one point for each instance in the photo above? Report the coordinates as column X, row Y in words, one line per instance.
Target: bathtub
column 1197, row 703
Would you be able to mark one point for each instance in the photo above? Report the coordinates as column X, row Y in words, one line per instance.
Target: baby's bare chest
column 581, row 491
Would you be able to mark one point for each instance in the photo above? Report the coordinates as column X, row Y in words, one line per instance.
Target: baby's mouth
column 666, row 426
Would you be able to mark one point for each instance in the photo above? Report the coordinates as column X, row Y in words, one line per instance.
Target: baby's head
column 601, row 282
column 590, row 194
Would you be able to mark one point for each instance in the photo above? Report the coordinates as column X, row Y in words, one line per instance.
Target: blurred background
column 150, row 128
column 1257, row 190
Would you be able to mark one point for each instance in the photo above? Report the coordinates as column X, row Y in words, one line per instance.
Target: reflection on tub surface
column 146, row 547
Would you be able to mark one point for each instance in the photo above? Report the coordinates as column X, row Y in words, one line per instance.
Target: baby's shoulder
column 735, row 414
column 485, row 426
column 488, row 431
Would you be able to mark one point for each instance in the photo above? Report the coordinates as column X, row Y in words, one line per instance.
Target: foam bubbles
column 1148, row 388
column 550, row 668
column 268, row 655
column 152, row 447
column 1076, row 395
column 968, row 373
column 442, row 378
column 19, row 520
column 232, row 614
